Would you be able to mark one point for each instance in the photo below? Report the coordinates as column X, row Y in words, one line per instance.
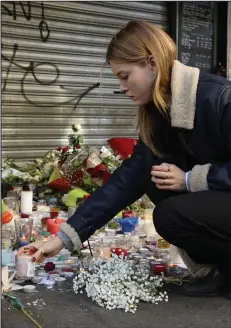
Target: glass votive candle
column 25, row 229
column 44, row 223
column 7, row 255
column 25, row 268
column 161, row 243
column 165, row 255
column 73, row 259
column 43, row 236
column 105, row 252
column 151, row 241
column 142, row 239
column 54, row 211
column 64, row 254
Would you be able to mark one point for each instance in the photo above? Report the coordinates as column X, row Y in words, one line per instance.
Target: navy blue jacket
column 201, row 117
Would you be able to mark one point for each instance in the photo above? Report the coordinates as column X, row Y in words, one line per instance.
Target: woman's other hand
column 168, row 177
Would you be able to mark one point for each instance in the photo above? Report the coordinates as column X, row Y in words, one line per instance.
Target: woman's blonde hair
column 134, row 44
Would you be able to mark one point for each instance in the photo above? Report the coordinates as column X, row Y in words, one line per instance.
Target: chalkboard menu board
column 196, row 34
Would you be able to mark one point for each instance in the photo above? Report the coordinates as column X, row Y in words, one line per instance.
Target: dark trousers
column 199, row 223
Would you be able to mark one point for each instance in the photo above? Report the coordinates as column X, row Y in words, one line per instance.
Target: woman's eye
column 124, row 78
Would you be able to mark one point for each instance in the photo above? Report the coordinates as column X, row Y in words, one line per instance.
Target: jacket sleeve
column 122, row 189
column 216, row 176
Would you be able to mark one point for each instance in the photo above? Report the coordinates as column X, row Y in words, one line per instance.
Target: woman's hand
column 48, row 249
column 30, row 248
column 168, row 177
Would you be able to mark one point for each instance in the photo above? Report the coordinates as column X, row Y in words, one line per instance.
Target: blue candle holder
column 22, row 242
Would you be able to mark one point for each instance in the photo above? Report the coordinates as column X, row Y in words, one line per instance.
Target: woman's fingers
column 162, row 174
column 166, row 182
column 164, row 167
column 39, row 256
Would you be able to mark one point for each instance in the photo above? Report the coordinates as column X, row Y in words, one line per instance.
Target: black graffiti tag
column 27, row 12
column 31, row 69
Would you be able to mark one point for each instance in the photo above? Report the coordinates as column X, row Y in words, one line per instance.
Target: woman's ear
column 151, row 62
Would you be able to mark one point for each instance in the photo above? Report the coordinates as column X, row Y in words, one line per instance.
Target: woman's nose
column 123, row 88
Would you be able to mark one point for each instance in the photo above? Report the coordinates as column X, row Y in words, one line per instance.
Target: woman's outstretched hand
column 168, row 177
column 41, row 250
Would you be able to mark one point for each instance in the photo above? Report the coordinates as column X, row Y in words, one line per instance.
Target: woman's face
column 136, row 81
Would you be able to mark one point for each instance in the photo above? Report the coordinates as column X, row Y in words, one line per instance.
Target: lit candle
column 22, row 241
column 119, row 251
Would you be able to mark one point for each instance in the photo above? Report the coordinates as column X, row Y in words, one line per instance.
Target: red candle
column 53, row 225
column 67, row 270
column 119, row 251
column 159, row 268
column 25, row 215
column 128, row 214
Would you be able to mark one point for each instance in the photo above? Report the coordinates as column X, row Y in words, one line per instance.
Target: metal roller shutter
column 42, row 80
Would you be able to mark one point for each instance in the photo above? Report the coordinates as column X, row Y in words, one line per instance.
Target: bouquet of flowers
column 119, row 284
column 70, row 167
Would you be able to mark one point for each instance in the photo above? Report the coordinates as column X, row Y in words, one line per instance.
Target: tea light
column 49, row 283
column 29, row 289
column 54, row 275
column 68, row 262
column 60, row 280
column 59, row 267
column 144, row 251
column 74, row 259
column 68, row 274
column 36, row 279
column 111, row 232
column 86, row 252
column 137, row 258
column 25, row 267
column 42, row 274
column 174, row 268
column 64, row 254
column 158, row 268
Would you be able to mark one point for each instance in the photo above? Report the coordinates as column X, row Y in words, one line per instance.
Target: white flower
column 115, row 286
column 76, row 127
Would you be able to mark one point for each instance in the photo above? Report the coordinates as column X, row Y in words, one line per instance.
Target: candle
column 22, row 242
column 158, row 268
column 26, row 201
column 119, row 251
column 53, row 225
column 74, row 259
column 7, row 256
column 25, row 215
column 60, row 280
column 105, row 252
column 67, row 270
column 25, row 268
column 54, row 211
column 44, row 223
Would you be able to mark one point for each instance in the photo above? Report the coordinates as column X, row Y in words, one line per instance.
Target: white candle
column 25, row 268
column 26, row 201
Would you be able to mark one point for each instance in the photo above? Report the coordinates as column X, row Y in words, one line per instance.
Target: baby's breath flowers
column 119, row 284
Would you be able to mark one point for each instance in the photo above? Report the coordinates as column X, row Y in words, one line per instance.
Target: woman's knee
column 163, row 218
